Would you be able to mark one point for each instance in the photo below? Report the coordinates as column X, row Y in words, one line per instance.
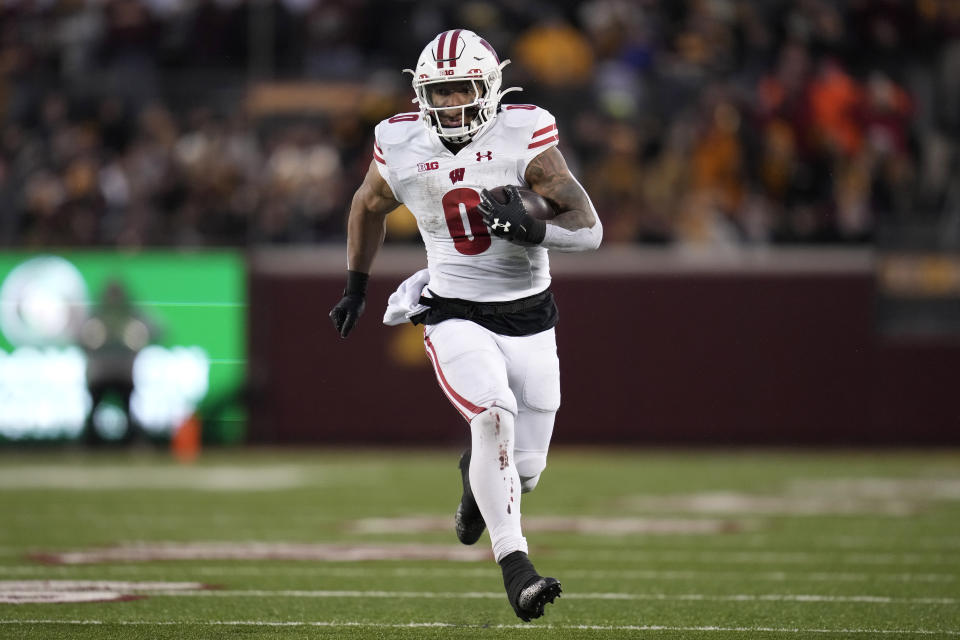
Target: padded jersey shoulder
column 523, row 116
column 399, row 129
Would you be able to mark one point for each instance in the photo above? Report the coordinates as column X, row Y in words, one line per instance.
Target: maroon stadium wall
column 656, row 347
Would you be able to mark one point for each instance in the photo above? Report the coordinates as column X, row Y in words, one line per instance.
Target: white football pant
column 508, row 389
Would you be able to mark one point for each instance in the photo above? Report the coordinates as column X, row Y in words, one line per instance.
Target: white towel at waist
column 404, row 303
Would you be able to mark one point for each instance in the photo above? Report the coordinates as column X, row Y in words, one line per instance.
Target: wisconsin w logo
column 457, row 175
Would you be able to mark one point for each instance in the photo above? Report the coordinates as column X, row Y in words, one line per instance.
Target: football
column 535, row 204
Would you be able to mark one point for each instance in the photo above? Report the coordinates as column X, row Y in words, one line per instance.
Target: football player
column 484, row 298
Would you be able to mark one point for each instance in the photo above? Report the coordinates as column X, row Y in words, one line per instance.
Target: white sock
column 494, row 480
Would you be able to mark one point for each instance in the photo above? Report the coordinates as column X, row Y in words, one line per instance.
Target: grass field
column 248, row 544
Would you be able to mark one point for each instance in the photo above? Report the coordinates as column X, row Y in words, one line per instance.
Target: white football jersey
column 442, row 191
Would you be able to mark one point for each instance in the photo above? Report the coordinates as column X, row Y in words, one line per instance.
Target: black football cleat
column 468, row 519
column 527, row 591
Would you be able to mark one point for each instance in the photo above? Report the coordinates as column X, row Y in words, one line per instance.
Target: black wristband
column 356, row 283
column 537, row 231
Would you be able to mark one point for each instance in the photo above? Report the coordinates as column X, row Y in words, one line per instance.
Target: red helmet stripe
column 452, row 56
column 443, row 38
column 490, row 49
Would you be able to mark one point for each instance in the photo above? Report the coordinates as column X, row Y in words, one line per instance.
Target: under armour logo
column 457, row 175
column 500, row 225
column 484, row 156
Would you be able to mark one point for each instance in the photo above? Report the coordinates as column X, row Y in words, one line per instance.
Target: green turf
column 809, row 544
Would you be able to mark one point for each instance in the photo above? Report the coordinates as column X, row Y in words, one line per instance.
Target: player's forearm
column 573, row 237
column 577, row 229
column 366, row 225
column 365, row 233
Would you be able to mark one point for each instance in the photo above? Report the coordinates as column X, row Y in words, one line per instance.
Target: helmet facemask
column 473, row 116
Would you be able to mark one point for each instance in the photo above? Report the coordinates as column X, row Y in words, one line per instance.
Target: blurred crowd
column 710, row 122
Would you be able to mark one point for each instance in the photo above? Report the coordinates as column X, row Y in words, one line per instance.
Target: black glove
column 346, row 313
column 511, row 220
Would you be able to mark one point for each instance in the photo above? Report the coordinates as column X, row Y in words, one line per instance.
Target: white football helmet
column 455, row 56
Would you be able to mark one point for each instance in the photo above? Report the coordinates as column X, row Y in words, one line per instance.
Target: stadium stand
column 137, row 123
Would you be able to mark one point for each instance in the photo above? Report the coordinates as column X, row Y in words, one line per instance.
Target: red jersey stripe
column 455, row 397
column 443, row 38
column 452, row 56
column 544, row 130
column 377, row 157
column 534, row 145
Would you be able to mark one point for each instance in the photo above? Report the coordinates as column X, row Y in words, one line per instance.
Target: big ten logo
column 448, row 72
column 427, row 166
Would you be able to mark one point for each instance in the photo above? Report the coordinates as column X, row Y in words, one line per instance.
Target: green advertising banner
column 106, row 345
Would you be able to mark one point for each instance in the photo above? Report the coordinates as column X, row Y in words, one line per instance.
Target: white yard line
column 452, row 625
column 245, row 551
column 344, row 551
column 622, row 556
column 125, row 478
column 17, row 591
column 928, row 543
column 603, row 526
column 483, row 595
column 362, row 572
column 758, row 542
